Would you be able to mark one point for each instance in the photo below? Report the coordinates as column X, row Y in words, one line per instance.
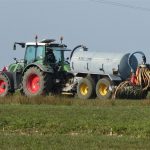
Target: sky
column 101, row 26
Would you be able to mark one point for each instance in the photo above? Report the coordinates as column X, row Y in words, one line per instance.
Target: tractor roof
column 46, row 42
column 43, row 42
column 49, row 43
column 33, row 43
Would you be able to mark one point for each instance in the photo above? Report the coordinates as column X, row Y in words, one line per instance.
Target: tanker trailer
column 101, row 72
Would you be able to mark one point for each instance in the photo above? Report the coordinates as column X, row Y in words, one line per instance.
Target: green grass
column 77, row 142
column 60, row 123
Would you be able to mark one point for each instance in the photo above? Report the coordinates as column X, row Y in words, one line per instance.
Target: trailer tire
column 85, row 88
column 103, row 89
column 36, row 82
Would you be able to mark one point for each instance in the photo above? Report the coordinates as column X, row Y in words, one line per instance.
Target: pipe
column 82, row 46
column 130, row 56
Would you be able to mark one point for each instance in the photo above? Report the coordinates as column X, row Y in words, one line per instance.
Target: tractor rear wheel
column 36, row 82
column 85, row 88
column 104, row 88
column 4, row 86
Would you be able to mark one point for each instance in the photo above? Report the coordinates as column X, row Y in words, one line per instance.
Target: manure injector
column 45, row 70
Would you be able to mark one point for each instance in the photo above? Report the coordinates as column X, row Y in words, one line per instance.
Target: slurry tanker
column 46, row 70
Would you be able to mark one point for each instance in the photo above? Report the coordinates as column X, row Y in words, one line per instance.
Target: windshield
column 57, row 56
column 34, row 53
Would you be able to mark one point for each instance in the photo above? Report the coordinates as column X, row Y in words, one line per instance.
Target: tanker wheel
column 103, row 88
column 4, row 86
column 36, row 82
column 85, row 88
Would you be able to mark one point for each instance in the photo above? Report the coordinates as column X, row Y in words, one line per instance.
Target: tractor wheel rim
column 33, row 83
column 103, row 89
column 84, row 89
column 2, row 86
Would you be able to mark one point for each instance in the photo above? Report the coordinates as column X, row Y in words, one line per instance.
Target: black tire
column 103, row 88
column 85, row 89
column 93, row 85
column 5, row 88
column 42, row 86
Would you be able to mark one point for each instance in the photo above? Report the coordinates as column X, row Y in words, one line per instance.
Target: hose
column 82, row 46
column 130, row 56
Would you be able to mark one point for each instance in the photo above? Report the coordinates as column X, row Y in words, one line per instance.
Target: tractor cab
column 46, row 53
column 55, row 56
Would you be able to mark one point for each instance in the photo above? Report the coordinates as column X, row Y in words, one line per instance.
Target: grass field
column 60, row 123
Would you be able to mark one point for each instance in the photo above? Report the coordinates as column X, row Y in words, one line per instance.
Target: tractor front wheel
column 4, row 86
column 36, row 82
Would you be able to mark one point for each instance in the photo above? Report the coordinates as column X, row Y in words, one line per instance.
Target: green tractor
column 43, row 70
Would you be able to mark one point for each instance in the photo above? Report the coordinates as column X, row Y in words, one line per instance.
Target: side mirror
column 21, row 44
column 14, row 48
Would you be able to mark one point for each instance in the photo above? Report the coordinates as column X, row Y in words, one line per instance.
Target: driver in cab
column 50, row 56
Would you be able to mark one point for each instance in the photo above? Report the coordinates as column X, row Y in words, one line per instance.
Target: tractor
column 43, row 70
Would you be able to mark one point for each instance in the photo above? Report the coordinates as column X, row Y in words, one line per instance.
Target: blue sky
column 99, row 26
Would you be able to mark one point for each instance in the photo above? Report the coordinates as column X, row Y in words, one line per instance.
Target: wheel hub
column 2, row 86
column 84, row 89
column 33, row 83
column 103, row 89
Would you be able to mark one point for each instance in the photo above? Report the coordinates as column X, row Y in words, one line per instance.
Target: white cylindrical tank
column 102, row 63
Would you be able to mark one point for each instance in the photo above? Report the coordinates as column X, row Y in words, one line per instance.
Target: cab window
column 57, row 55
column 40, row 53
column 34, row 53
column 30, row 54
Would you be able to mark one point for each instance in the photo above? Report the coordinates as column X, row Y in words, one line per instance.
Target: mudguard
column 42, row 67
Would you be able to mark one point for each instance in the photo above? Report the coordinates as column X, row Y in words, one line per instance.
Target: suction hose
column 82, row 46
column 130, row 56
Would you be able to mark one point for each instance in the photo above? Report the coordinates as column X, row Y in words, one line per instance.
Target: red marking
column 2, row 86
column 133, row 79
column 33, row 83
